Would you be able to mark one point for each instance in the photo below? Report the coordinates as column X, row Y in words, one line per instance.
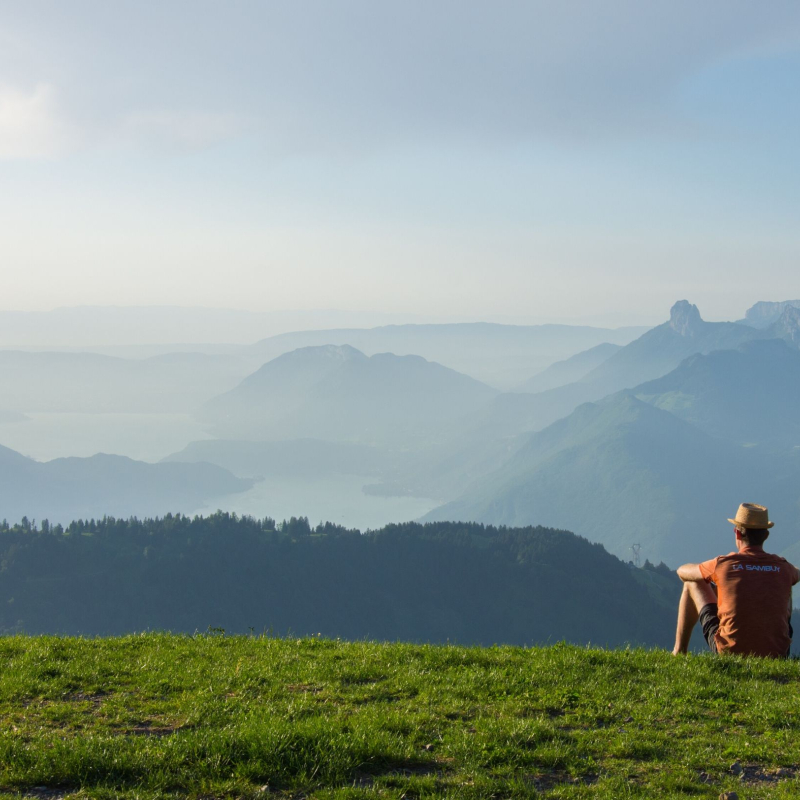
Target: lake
column 151, row 437
column 334, row 498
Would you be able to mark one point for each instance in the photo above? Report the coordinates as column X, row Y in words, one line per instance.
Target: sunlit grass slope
column 217, row 716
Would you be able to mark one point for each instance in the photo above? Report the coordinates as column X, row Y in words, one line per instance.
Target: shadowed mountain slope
column 570, row 370
column 487, row 438
column 747, row 395
column 339, row 394
column 71, row 488
column 622, row 472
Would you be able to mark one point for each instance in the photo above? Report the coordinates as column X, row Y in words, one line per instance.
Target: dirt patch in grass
column 306, row 688
column 48, row 793
column 755, row 775
column 152, row 729
column 361, row 680
column 544, row 781
column 410, row 768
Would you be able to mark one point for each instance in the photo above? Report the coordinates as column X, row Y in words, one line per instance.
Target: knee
column 701, row 593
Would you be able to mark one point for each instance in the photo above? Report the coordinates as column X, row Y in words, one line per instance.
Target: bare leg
column 695, row 595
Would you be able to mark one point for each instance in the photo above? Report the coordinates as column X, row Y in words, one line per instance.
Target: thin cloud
column 163, row 129
column 31, row 126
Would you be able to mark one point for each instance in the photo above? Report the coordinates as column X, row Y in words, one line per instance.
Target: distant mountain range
column 338, row 393
column 79, row 488
column 649, row 441
column 654, row 354
column 502, row 356
column 657, row 463
column 622, row 472
column 763, row 314
column 180, row 378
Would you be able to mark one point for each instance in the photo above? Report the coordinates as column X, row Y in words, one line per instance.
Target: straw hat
column 751, row 515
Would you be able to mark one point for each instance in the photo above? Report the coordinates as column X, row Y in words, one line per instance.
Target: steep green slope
column 622, row 472
column 161, row 716
column 443, row 582
column 746, row 395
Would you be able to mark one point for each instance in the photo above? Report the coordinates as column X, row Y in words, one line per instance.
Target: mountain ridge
column 64, row 489
column 621, row 472
column 338, row 393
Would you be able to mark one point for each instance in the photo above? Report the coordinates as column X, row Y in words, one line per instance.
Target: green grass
column 214, row 716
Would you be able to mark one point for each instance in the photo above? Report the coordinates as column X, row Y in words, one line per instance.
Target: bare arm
column 690, row 572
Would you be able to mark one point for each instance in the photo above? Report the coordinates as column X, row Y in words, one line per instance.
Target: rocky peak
column 685, row 319
column 764, row 313
column 788, row 325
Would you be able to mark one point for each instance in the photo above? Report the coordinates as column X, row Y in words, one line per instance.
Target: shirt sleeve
column 708, row 568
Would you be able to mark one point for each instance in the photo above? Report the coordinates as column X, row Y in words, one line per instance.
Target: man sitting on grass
column 743, row 600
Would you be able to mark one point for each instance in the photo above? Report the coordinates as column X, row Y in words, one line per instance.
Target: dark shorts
column 709, row 622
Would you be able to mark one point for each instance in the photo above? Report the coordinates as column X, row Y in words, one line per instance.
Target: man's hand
column 690, row 572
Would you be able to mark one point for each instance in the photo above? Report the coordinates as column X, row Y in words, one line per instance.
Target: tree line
column 446, row 581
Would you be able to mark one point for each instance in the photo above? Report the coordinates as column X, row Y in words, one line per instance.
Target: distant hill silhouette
column 500, row 355
column 570, row 370
column 339, row 394
column 71, row 488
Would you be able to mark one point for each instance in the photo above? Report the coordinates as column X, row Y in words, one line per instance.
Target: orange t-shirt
column 754, row 594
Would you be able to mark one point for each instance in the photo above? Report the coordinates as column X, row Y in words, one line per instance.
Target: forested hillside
column 440, row 582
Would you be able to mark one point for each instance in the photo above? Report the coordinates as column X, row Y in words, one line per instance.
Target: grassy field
column 211, row 716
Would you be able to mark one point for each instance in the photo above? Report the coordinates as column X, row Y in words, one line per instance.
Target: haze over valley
column 617, row 436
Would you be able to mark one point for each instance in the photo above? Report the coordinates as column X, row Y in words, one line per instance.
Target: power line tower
column 636, row 560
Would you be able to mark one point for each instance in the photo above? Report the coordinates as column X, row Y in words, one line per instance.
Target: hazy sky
column 486, row 160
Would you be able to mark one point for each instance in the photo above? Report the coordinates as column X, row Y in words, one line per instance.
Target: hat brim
column 748, row 527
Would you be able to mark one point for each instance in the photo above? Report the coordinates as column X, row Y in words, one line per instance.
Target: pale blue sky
column 497, row 160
